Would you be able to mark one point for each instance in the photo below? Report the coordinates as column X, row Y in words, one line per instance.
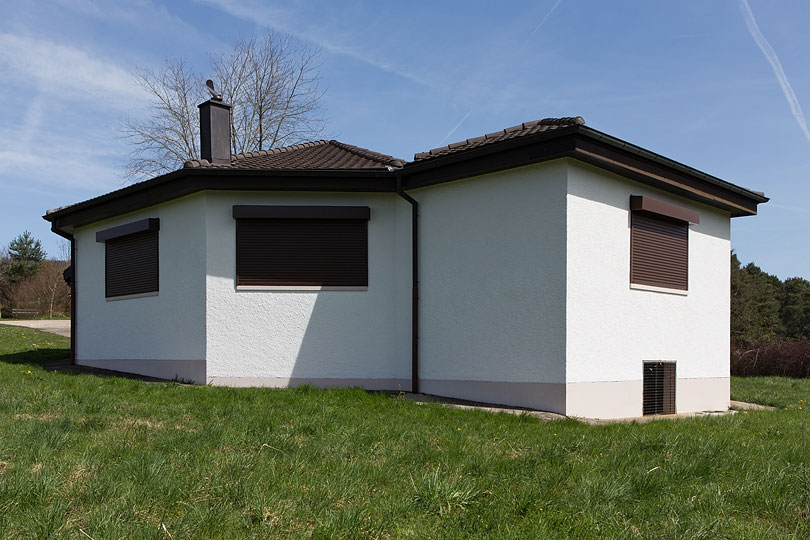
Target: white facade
column 200, row 328
column 328, row 338
column 611, row 328
column 160, row 336
column 492, row 287
column 525, row 298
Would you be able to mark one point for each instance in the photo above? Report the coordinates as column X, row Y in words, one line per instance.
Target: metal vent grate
column 659, row 388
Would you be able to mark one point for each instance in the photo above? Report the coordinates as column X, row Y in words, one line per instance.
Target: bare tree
column 5, row 283
column 170, row 135
column 271, row 81
column 273, row 86
column 63, row 250
column 45, row 293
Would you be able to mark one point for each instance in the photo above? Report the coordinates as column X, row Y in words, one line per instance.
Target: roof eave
column 590, row 146
column 631, row 161
column 658, row 158
column 185, row 182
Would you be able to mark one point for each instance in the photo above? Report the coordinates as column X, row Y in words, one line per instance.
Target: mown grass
column 83, row 456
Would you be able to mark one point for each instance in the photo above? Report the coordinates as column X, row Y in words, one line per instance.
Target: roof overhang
column 192, row 180
column 577, row 141
column 596, row 148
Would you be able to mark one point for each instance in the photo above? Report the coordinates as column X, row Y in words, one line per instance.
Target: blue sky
column 686, row 79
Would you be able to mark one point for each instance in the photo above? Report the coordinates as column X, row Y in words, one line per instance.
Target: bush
column 784, row 359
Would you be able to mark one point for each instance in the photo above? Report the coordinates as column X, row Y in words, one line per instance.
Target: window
column 659, row 388
column 301, row 246
column 131, row 258
column 659, row 243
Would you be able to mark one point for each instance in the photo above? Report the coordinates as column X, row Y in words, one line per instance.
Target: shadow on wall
column 324, row 338
column 587, row 182
column 350, row 337
column 358, row 338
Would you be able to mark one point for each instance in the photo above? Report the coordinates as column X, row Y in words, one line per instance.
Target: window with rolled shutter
column 301, row 246
column 659, row 243
column 659, row 253
column 131, row 263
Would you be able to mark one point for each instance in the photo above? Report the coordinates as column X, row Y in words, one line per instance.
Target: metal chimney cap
column 209, row 85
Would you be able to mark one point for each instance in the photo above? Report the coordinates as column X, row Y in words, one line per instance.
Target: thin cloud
column 281, row 20
column 522, row 46
column 147, row 16
column 50, row 145
column 65, row 71
column 770, row 55
column 54, row 170
column 31, row 122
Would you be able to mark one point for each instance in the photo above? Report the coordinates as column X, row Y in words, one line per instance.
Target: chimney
column 215, row 129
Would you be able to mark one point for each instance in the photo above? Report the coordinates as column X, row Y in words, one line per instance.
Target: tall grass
column 114, row 458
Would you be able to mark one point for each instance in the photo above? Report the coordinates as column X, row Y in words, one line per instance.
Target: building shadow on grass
column 36, row 357
column 59, row 361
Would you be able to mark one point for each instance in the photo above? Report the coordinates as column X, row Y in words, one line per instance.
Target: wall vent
column 659, row 388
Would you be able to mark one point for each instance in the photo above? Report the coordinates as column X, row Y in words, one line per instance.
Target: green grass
column 83, row 456
column 775, row 391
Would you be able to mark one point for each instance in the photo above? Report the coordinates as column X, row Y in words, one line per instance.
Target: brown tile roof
column 521, row 130
column 318, row 155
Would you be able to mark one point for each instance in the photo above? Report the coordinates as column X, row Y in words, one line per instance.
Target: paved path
column 60, row 327
column 542, row 415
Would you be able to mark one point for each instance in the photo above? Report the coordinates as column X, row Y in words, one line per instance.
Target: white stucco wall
column 524, row 298
column 163, row 335
column 277, row 338
column 611, row 329
column 492, row 283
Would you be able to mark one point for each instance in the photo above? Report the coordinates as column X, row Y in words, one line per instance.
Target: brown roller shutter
column 131, row 264
column 659, row 388
column 659, row 251
column 304, row 252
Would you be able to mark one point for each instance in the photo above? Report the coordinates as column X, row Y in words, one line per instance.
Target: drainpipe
column 415, row 277
column 72, row 240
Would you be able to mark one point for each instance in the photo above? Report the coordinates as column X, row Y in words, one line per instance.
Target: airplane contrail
column 455, row 128
column 542, row 22
column 770, row 55
column 536, row 29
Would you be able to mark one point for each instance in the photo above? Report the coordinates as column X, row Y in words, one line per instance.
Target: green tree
column 795, row 311
column 25, row 256
column 756, row 303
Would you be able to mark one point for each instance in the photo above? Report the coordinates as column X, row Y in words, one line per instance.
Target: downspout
column 415, row 278
column 72, row 240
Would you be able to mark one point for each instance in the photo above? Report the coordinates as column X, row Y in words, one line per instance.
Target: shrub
column 784, row 359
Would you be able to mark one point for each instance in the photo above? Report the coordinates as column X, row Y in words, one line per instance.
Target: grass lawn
column 88, row 457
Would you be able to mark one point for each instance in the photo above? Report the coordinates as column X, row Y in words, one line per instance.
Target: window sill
column 300, row 288
column 128, row 296
column 665, row 290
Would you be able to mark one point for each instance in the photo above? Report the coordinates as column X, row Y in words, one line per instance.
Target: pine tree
column 25, row 256
column 756, row 302
column 795, row 311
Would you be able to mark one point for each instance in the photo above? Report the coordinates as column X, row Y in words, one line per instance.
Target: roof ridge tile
column 279, row 150
column 530, row 127
column 369, row 154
